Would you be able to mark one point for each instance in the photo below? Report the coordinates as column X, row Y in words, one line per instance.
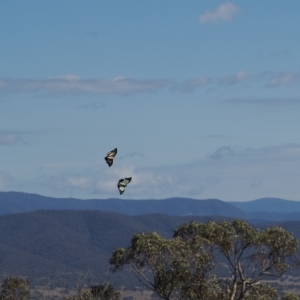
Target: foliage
column 82, row 295
column 104, row 292
column 262, row 291
column 182, row 267
column 171, row 262
column 290, row 296
column 15, row 288
column 97, row 292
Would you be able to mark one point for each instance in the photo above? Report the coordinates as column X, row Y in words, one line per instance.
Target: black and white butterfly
column 122, row 184
column 110, row 157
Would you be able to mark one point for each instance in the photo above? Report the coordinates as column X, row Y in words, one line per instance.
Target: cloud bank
column 72, row 84
column 227, row 173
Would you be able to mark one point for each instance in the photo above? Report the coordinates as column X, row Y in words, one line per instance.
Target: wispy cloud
column 5, row 180
column 268, row 78
column 272, row 54
column 78, row 182
column 9, row 138
column 72, row 84
column 66, row 182
column 134, row 155
column 287, row 151
column 265, row 101
column 284, row 79
column 222, row 152
column 225, row 12
column 192, row 84
column 241, row 76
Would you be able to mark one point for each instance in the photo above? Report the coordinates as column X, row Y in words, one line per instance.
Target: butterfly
column 122, row 184
column 110, row 157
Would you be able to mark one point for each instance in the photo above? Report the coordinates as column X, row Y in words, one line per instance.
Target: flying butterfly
column 110, row 157
column 122, row 184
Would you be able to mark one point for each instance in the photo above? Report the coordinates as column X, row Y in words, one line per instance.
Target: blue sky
column 201, row 98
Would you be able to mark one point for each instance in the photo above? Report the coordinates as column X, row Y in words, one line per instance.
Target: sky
column 201, row 98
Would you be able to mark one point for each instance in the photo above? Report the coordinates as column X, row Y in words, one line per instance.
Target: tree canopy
column 15, row 288
column 97, row 292
column 184, row 267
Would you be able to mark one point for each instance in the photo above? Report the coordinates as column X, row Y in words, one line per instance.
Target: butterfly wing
column 123, row 183
column 121, row 189
column 110, row 157
column 121, row 186
column 109, row 161
column 127, row 180
column 112, row 153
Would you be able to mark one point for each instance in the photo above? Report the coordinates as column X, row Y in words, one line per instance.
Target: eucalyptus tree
column 250, row 255
column 165, row 265
column 184, row 267
column 291, row 296
column 97, row 292
column 15, row 288
column 104, row 292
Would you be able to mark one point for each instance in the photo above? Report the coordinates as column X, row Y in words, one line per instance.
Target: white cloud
column 225, row 12
column 241, row 76
column 72, row 84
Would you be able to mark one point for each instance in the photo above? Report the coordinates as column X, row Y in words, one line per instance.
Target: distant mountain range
column 274, row 205
column 269, row 209
column 53, row 240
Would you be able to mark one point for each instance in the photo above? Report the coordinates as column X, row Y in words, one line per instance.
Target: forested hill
column 70, row 244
